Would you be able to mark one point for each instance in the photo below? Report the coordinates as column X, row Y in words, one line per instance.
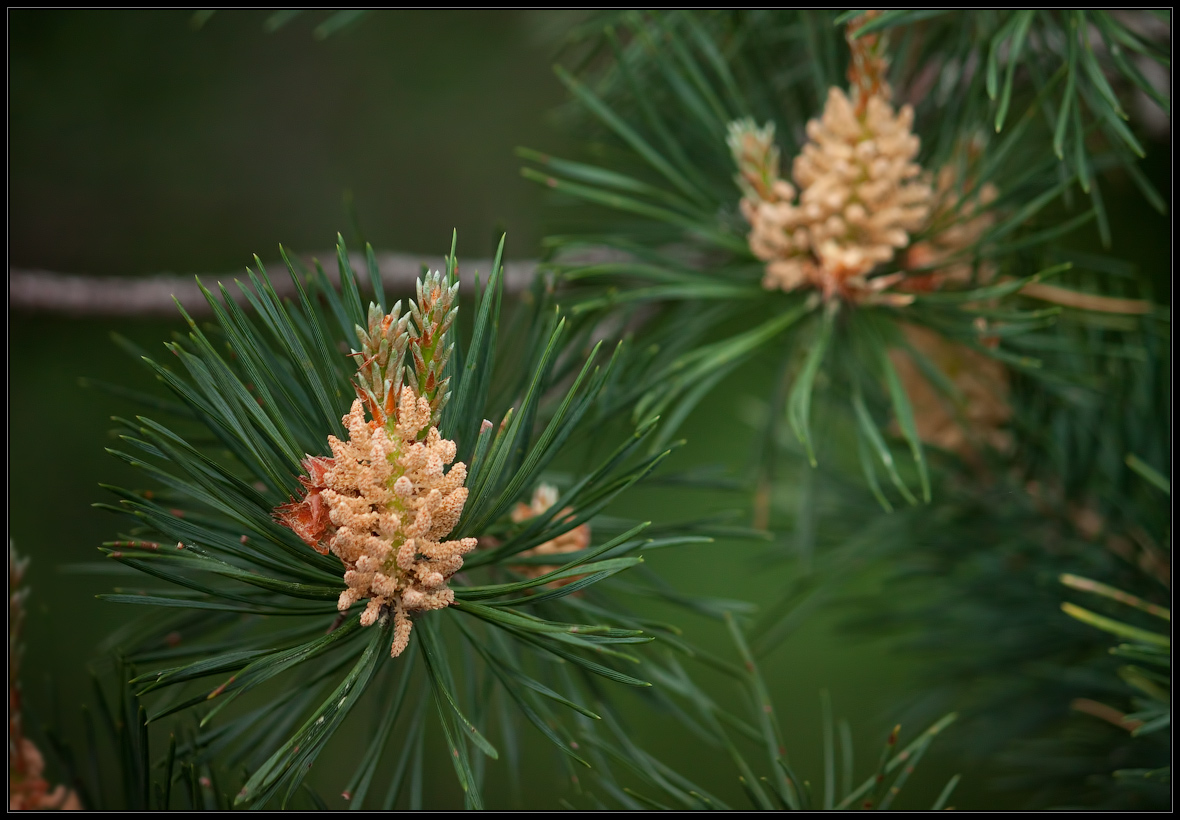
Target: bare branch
column 46, row 291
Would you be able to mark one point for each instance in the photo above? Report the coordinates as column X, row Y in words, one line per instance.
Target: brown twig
column 1103, row 712
column 1086, row 301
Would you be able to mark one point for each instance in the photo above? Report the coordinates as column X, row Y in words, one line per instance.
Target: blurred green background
column 138, row 144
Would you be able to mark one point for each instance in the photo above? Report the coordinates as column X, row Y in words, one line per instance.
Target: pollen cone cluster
column 858, row 196
column 544, row 497
column 28, row 790
column 384, row 501
column 982, row 383
column 391, row 504
column 956, row 225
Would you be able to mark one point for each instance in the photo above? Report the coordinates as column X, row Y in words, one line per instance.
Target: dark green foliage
column 780, row 788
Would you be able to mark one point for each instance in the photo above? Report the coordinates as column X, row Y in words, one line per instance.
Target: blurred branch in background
column 77, row 294
column 42, row 291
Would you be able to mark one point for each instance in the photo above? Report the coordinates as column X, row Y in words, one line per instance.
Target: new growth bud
column 379, row 369
column 430, row 344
